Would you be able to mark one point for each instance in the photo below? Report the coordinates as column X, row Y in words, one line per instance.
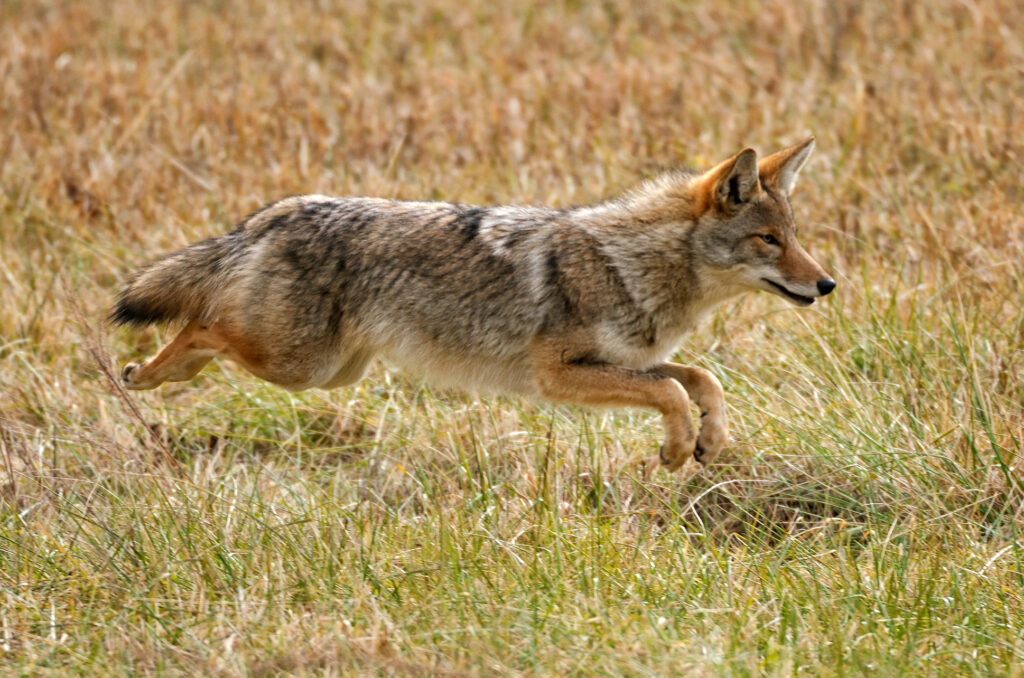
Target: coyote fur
column 580, row 305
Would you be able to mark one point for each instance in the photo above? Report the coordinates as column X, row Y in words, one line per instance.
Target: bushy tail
column 179, row 286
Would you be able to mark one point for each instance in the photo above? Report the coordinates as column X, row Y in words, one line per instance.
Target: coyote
column 580, row 305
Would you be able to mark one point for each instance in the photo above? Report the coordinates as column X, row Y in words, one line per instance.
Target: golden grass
column 868, row 518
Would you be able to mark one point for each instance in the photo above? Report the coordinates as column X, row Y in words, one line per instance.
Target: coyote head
column 745, row 235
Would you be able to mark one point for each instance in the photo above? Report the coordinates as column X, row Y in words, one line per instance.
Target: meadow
column 867, row 519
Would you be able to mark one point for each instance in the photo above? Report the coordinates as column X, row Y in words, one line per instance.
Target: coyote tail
column 179, row 286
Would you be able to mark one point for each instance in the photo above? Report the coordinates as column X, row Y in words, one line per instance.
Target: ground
column 867, row 518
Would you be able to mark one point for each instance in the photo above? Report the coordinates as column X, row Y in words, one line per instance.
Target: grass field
column 868, row 518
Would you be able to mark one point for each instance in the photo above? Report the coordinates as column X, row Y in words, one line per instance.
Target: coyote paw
column 672, row 455
column 714, row 436
column 126, row 375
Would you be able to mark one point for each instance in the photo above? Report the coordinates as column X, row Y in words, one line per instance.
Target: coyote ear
column 779, row 170
column 733, row 182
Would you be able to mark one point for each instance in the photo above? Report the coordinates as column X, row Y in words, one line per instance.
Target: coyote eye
column 769, row 238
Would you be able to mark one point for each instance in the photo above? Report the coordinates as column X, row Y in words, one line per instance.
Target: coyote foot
column 126, row 376
column 714, row 436
column 671, row 456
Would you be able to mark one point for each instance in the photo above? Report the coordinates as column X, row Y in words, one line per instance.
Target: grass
column 866, row 520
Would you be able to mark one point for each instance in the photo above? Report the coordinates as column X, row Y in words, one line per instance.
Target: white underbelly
column 613, row 349
column 467, row 374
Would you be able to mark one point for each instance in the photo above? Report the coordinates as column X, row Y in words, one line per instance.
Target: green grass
column 866, row 519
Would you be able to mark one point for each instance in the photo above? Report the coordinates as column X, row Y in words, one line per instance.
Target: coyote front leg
column 561, row 377
column 705, row 390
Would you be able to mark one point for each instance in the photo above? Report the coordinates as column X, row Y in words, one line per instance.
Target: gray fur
column 582, row 304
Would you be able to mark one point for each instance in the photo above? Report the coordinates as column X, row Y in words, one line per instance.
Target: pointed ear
column 732, row 183
column 779, row 170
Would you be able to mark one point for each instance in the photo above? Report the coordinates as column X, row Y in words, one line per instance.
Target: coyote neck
column 659, row 265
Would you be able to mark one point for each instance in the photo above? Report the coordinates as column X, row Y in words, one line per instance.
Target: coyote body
column 580, row 305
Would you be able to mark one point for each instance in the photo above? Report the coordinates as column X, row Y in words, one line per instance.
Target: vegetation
column 867, row 519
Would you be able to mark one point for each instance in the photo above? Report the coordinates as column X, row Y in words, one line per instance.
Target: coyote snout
column 580, row 305
column 794, row 275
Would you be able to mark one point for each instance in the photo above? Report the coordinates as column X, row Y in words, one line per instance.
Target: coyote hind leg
column 180, row 360
column 280, row 363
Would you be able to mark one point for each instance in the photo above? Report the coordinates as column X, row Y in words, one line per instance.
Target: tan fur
column 581, row 305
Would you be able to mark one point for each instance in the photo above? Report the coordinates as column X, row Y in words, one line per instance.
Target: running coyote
column 580, row 305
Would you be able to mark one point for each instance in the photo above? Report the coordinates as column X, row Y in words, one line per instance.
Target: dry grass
column 868, row 518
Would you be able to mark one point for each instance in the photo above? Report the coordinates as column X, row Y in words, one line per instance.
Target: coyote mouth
column 792, row 296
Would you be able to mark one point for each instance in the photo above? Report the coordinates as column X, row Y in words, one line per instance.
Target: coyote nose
column 825, row 286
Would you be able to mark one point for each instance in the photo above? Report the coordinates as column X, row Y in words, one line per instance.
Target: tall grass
column 867, row 518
